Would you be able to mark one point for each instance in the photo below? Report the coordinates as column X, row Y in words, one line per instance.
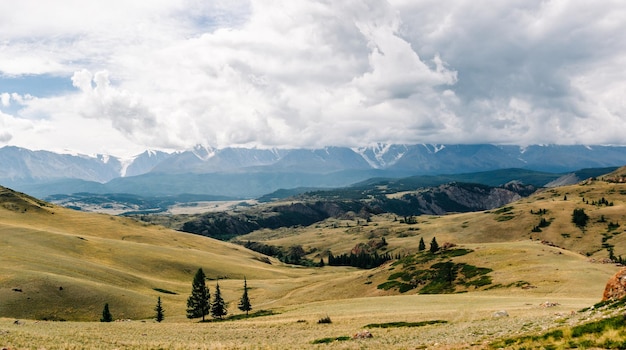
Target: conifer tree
column 244, row 302
column 198, row 303
column 159, row 311
column 434, row 246
column 106, row 314
column 422, row 245
column 218, row 306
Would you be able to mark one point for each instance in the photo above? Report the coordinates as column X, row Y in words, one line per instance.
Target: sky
column 119, row 77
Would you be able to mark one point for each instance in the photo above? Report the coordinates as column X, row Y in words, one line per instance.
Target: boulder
column 616, row 286
column 362, row 335
column 501, row 313
column 549, row 304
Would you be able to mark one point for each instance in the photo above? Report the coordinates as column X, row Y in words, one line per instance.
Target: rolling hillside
column 60, row 264
column 517, row 240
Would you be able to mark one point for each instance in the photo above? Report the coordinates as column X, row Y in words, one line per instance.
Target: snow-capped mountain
column 381, row 156
column 226, row 171
column 143, row 163
column 21, row 163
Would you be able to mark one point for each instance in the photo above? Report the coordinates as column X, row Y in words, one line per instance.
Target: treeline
column 362, row 260
column 292, row 255
column 296, row 255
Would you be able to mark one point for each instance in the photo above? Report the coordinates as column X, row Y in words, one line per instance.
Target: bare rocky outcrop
column 364, row 334
column 616, row 286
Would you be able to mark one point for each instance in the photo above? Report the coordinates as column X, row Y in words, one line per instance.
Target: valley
column 312, row 175
column 59, row 264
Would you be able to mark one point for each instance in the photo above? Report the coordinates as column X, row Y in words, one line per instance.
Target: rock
column 501, row 313
column 362, row 335
column 548, row 304
column 616, row 286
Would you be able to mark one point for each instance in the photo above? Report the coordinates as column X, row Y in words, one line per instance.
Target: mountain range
column 250, row 172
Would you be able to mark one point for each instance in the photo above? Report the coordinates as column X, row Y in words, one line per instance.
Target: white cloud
column 10, row 126
column 5, row 98
column 171, row 74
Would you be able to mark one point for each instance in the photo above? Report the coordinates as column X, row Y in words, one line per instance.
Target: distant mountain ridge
column 244, row 172
column 20, row 163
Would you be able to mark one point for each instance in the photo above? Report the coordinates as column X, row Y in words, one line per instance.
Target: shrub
column 404, row 324
column 165, row 291
column 324, row 320
column 330, row 340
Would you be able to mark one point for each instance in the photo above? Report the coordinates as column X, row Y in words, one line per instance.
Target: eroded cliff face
column 460, row 197
column 440, row 200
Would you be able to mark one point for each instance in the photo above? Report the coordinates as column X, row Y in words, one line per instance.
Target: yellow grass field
column 60, row 265
column 470, row 317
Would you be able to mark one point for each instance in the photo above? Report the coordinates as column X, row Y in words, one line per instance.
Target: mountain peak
column 203, row 152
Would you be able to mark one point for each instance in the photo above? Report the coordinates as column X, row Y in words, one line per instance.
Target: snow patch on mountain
column 204, row 152
column 381, row 155
column 126, row 162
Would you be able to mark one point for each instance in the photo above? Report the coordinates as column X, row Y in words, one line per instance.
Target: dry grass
column 97, row 258
column 469, row 317
column 512, row 223
column 67, row 264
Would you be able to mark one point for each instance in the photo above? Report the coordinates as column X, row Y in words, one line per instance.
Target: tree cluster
column 433, row 248
column 615, row 259
column 542, row 223
column 601, row 202
column 199, row 303
column 410, row 219
column 579, row 217
column 362, row 260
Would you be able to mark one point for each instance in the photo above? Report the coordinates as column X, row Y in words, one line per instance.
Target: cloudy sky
column 122, row 76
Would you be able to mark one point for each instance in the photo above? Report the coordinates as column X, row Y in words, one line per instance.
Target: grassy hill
column 57, row 263
column 603, row 201
column 507, row 240
column 60, row 264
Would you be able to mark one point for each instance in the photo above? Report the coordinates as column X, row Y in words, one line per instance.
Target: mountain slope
column 603, row 201
column 61, row 264
column 57, row 263
column 20, row 163
column 260, row 171
column 528, row 242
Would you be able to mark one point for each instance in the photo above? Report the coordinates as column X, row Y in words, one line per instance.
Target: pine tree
column 434, row 246
column 159, row 311
column 106, row 314
column 218, row 307
column 244, row 302
column 198, row 303
column 422, row 245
